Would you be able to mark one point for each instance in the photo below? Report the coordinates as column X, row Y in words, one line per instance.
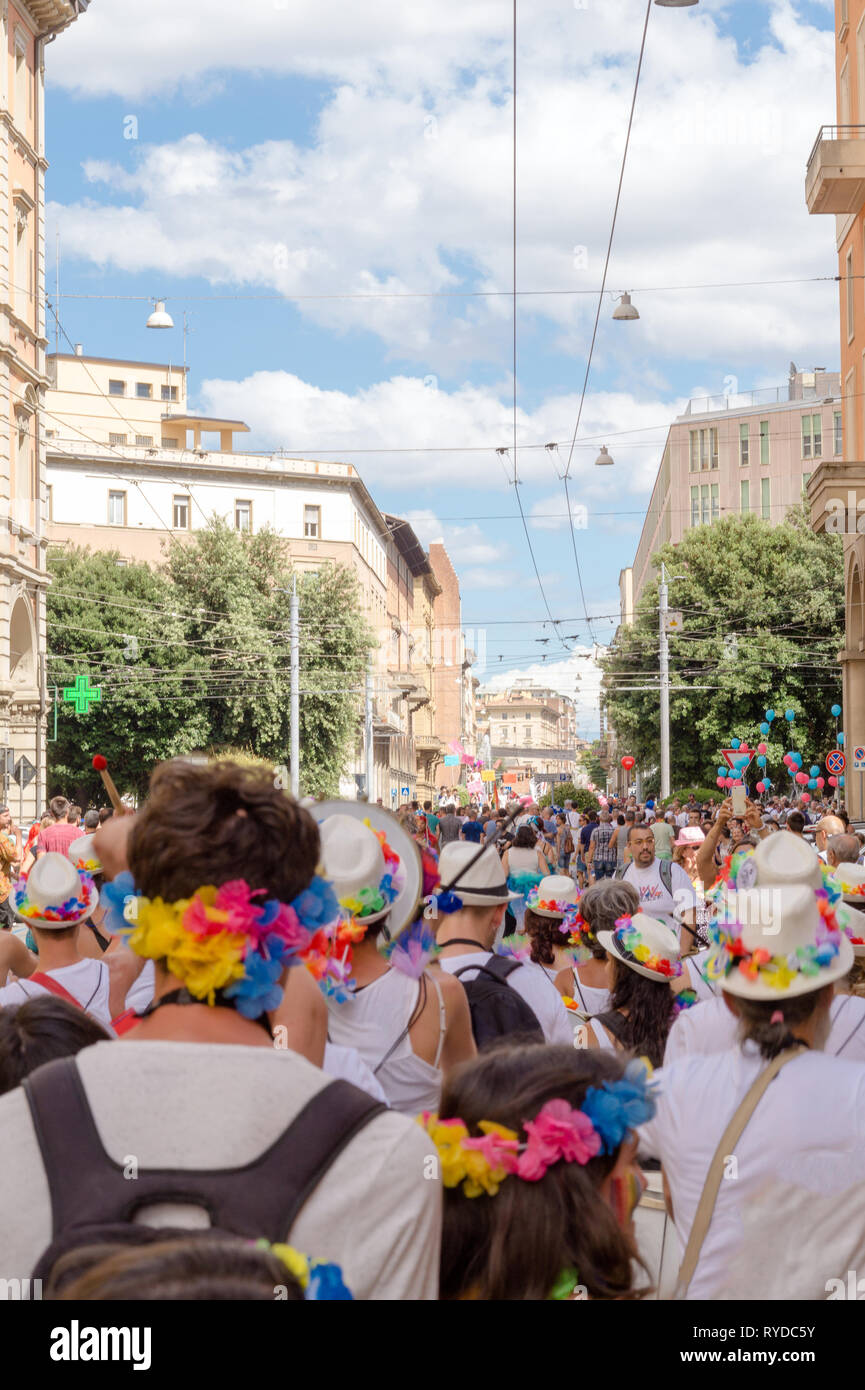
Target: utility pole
column 663, row 595
column 368, row 737
column 294, row 710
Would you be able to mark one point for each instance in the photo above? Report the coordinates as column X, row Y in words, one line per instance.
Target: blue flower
column 258, row 991
column 113, row 898
column 617, row 1108
column 316, row 906
column 326, row 1284
column 448, row 902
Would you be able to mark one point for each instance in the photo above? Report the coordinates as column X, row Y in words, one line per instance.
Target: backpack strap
column 52, row 986
column 614, row 1023
column 262, row 1198
column 665, row 870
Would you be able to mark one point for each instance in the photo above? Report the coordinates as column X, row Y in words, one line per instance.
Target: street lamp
column 676, row 4
column 604, row 458
column 159, row 318
column 625, row 309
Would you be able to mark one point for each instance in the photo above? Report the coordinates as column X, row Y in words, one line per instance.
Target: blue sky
column 320, row 149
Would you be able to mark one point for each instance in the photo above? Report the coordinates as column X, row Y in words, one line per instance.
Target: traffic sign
column 859, row 759
column 406, row 791
column 23, row 771
column 836, row 761
column 733, row 757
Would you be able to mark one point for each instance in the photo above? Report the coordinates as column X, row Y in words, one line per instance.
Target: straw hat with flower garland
column 371, row 862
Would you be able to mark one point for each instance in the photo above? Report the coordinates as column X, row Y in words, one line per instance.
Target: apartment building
column 530, row 727
column 743, row 452
column 455, row 683
column 835, row 186
column 25, row 31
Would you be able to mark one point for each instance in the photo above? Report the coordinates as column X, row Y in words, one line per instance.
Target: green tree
column 763, row 622
column 118, row 625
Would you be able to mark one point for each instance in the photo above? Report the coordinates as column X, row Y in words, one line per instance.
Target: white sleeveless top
column 372, row 1019
column 522, row 861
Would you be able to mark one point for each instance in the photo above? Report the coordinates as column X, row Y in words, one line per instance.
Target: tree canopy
column 195, row 656
column 763, row 610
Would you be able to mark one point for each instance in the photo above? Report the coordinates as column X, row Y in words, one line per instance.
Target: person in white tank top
column 409, row 1028
column 586, row 981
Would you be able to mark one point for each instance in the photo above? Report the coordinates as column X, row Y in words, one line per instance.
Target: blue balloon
column 764, row 727
column 840, row 738
column 812, row 782
column 840, row 781
column 766, row 783
column 790, row 715
column 836, row 710
column 734, row 742
column 761, row 760
column 722, row 771
column 814, row 770
column 770, row 715
column 797, row 758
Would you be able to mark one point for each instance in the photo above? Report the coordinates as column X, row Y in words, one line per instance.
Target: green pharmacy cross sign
column 81, row 693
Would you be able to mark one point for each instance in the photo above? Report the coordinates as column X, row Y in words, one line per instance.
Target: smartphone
column 738, row 800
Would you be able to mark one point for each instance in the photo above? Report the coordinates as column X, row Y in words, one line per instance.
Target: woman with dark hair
column 642, row 959
column 537, row 1150
column 524, row 865
column 547, row 907
column 586, row 980
column 34, row 1033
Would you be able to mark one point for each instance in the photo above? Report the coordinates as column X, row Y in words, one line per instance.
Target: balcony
column 836, row 497
column 428, row 743
column 835, row 179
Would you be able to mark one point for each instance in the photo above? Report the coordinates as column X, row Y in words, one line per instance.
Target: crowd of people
column 478, row 1053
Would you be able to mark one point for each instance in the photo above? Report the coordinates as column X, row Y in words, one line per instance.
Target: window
column 117, row 439
column 705, row 515
column 243, row 516
column 851, row 321
column 117, row 509
column 169, row 393
column 312, row 524
column 145, row 441
column 716, row 508
column 703, row 449
column 143, row 390
column 694, row 462
column 49, row 502
column 764, row 442
column 806, row 478
column 22, row 81
column 765, row 499
column 181, row 513
column 695, row 506
column 713, row 445
column 23, row 263
column 528, row 731
column 744, row 497
column 117, row 388
column 744, row 446
column 169, row 442
column 838, row 433
column 812, row 436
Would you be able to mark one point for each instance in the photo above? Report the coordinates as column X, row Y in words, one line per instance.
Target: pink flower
column 498, row 1152
column 558, row 1133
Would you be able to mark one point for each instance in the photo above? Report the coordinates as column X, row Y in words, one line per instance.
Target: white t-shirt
column 589, row 997
column 200, row 1105
column 87, row 980
column 535, row 987
column 710, row 1027
column 792, row 1214
column 347, row 1064
column 654, row 898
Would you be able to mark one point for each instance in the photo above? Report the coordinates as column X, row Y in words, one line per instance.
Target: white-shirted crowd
column 528, row 1054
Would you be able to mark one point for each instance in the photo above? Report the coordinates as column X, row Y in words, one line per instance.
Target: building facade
column 530, row 728
column 835, row 186
column 25, row 30
column 455, row 681
column 746, row 452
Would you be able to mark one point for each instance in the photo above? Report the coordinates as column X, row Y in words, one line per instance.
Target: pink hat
column 691, row 835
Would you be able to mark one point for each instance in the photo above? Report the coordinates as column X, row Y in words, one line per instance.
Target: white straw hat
column 553, row 896
column 483, row 884
column 83, row 855
column 645, row 944
column 55, row 894
column 355, row 862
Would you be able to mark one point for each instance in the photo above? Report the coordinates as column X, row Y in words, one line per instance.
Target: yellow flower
column 207, row 963
column 157, row 928
column 642, row 952
column 296, row 1263
column 779, row 978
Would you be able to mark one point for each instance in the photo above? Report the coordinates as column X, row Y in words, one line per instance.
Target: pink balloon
column 728, row 781
column 743, row 748
column 719, row 781
column 833, row 781
column 820, row 783
column 802, row 778
column 761, row 786
column 806, row 797
column 761, row 747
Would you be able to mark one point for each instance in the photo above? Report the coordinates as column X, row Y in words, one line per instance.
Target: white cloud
column 409, row 175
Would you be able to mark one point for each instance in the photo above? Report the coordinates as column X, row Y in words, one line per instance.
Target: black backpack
column 93, row 1203
column 497, row 1010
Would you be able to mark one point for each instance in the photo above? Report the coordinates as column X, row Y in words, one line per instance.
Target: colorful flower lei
column 535, row 903
column 630, row 946
column 321, row 1281
column 224, row 939
column 558, row 1133
column 580, row 936
column 411, row 952
column 778, row 972
column 68, row 911
column 685, row 999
